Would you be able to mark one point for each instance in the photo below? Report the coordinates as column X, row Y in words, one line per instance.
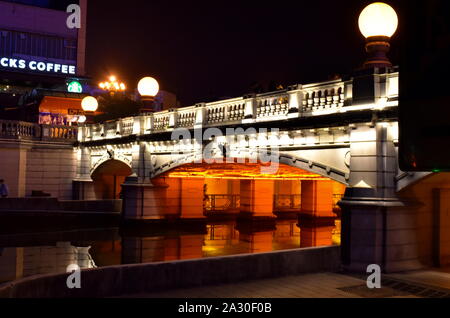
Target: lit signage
column 71, row 111
column 74, row 87
column 35, row 66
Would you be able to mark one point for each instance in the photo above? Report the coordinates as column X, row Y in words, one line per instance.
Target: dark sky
column 203, row 50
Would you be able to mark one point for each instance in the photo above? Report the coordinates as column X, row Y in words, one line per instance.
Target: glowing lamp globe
column 148, row 87
column 89, row 104
column 82, row 119
column 378, row 19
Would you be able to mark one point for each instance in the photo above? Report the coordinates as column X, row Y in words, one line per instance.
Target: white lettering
column 13, row 63
column 32, row 65
column 72, row 69
column 41, row 66
column 22, row 64
column 4, row 62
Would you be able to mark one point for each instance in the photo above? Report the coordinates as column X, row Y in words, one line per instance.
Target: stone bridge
column 336, row 138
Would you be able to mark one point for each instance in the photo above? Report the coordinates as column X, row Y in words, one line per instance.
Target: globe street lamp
column 378, row 23
column 89, row 105
column 148, row 88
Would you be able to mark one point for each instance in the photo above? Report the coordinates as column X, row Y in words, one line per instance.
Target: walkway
column 323, row 285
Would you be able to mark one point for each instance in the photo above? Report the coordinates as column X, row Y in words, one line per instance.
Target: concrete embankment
column 22, row 214
column 145, row 278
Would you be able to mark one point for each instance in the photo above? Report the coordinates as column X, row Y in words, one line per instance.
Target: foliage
column 115, row 106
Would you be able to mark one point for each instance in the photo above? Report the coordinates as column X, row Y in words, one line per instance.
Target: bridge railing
column 18, row 130
column 63, row 133
column 30, row 131
column 287, row 202
column 297, row 101
column 222, row 203
column 281, row 202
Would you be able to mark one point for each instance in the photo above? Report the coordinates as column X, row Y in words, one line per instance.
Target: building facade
column 42, row 61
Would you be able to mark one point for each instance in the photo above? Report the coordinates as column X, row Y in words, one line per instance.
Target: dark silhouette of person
column 4, row 191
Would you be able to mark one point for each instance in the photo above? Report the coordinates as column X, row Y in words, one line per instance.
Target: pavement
column 322, row 285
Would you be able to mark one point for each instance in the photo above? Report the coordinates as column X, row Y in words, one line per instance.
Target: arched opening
column 108, row 178
column 430, row 200
column 243, row 190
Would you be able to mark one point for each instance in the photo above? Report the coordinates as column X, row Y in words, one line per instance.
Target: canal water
column 23, row 255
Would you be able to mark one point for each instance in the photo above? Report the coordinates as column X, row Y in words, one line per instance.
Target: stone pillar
column 257, row 199
column 317, row 198
column 144, row 201
column 377, row 228
column 250, row 109
column 295, row 101
column 316, row 219
column 83, row 185
column 173, row 197
column 192, row 198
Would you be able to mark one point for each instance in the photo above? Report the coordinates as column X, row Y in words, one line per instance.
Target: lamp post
column 378, row 22
column 113, row 85
column 89, row 105
column 148, row 88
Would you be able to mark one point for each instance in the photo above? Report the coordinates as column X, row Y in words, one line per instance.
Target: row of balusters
column 16, row 129
column 319, row 100
column 19, row 129
column 276, row 106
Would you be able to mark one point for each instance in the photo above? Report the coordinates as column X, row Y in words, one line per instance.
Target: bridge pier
column 377, row 227
column 316, row 218
column 192, row 196
column 257, row 200
column 379, row 231
column 144, row 201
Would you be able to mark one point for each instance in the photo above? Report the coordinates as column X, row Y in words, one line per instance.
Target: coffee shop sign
column 37, row 66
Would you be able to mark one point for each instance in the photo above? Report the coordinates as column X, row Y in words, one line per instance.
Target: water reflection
column 19, row 262
column 31, row 254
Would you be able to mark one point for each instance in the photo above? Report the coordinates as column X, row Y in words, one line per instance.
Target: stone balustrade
column 296, row 101
column 30, row 131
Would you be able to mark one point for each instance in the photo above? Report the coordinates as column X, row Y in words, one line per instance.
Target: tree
column 115, row 106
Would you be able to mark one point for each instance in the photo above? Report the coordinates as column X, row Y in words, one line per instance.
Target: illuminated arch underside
column 240, row 171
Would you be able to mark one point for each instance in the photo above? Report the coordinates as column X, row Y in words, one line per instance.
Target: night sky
column 208, row 50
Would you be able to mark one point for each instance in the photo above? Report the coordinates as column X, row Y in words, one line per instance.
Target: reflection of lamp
column 148, row 88
column 378, row 23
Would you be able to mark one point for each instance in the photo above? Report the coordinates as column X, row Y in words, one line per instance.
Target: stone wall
column 144, row 278
column 35, row 166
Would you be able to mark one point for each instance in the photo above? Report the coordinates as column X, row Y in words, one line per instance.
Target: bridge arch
column 428, row 195
column 108, row 178
column 323, row 170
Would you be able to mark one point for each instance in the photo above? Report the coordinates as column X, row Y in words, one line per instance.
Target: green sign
column 74, row 87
